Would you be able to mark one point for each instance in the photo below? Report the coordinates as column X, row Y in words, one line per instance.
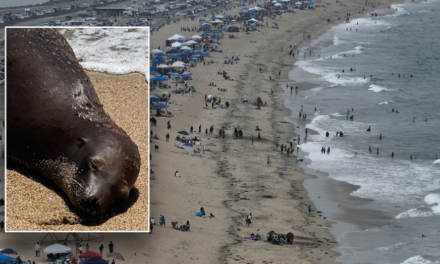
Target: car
column 181, row 14
column 52, row 23
column 2, row 21
column 58, row 22
column 45, row 24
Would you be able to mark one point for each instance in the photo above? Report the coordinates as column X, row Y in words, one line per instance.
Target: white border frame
column 6, row 125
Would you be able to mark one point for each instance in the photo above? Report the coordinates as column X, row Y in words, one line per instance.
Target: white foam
column 433, row 199
column 336, row 40
column 436, row 161
column 377, row 88
column 336, row 114
column 343, row 80
column 414, row 213
column 416, row 260
column 396, row 246
column 386, row 102
column 111, row 50
column 424, row 11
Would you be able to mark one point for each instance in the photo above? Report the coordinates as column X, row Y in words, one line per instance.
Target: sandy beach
column 233, row 179
column 51, row 213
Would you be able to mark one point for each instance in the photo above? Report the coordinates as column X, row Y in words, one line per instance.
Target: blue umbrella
column 216, row 32
column 275, row 24
column 173, row 51
column 159, row 78
column 152, row 98
column 153, row 69
column 161, row 105
column 174, row 56
column 212, row 18
column 8, row 251
column 180, row 41
column 160, row 54
column 188, row 144
column 274, row 8
column 207, row 32
column 311, row 4
column 202, row 20
column 177, row 74
column 186, row 73
column 6, row 259
column 227, row 15
column 183, row 132
column 170, row 72
column 206, row 25
column 198, row 53
column 157, row 61
column 216, row 42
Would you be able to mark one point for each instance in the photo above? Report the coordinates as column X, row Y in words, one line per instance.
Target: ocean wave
column 416, row 260
column 336, row 40
column 396, row 246
column 414, row 213
column 377, row 88
column 386, row 102
column 424, row 11
column 436, row 161
column 433, row 199
column 342, row 80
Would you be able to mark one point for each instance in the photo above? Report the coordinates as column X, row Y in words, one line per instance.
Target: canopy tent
column 115, row 255
column 8, row 251
column 95, row 260
column 176, row 44
column 176, row 37
column 156, row 51
column 217, row 22
column 153, row 69
column 152, row 98
column 253, row 20
column 90, row 254
column 186, row 48
column 157, row 61
column 206, row 25
column 57, row 249
column 311, row 4
column 158, row 91
column 6, row 259
column 159, row 79
column 196, row 37
column 278, row 4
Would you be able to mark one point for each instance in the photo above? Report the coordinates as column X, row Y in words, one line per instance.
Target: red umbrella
column 207, row 41
column 267, row 4
column 90, row 254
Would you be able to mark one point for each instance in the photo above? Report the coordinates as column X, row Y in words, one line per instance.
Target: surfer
column 377, row 151
column 369, row 149
column 410, row 157
column 426, row 120
column 369, row 129
column 380, row 136
column 414, row 120
column 392, row 154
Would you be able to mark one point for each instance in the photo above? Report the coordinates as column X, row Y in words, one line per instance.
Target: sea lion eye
column 81, row 142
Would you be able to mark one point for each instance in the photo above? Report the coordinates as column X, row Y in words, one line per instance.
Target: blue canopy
column 202, row 20
column 6, row 259
column 186, row 73
column 170, row 72
column 161, row 105
column 180, row 41
column 227, row 15
column 216, row 32
column 199, row 53
column 153, row 69
column 275, row 24
column 188, row 144
column 158, row 61
column 155, row 99
column 159, row 78
column 183, row 132
column 160, row 54
column 95, row 260
column 8, row 251
column 216, row 42
column 225, row 58
column 175, row 56
column 206, row 25
column 311, row 4
column 207, row 32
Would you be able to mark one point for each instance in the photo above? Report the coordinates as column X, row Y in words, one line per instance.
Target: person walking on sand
column 310, row 210
column 298, row 139
column 37, row 249
column 206, row 131
column 191, row 129
column 110, row 247
column 252, row 139
column 101, row 248
column 200, row 129
column 151, row 228
column 249, row 220
column 285, row 166
column 268, row 161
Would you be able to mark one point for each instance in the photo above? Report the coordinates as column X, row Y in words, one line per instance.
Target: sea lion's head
column 108, row 171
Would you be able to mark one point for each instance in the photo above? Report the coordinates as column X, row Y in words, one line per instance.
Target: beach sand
column 125, row 100
column 233, row 179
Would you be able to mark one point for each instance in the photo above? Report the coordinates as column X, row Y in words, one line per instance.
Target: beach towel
column 199, row 213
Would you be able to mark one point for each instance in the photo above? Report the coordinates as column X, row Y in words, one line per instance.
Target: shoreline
column 274, row 127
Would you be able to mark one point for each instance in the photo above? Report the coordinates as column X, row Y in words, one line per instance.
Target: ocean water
column 16, row 3
column 407, row 191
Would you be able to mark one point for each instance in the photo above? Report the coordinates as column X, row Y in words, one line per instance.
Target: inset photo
column 77, row 129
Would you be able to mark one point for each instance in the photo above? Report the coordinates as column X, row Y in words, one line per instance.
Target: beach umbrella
column 183, row 132
column 227, row 15
column 57, row 249
column 216, row 42
column 95, row 260
column 277, row 4
column 191, row 42
column 8, row 251
column 154, row 73
column 202, row 20
column 196, row 37
column 216, row 32
column 199, row 53
column 162, row 66
column 175, row 57
column 176, row 45
column 160, row 54
column 268, row 4
column 157, row 61
column 115, row 255
column 154, row 99
column 159, row 78
column 275, row 24
column 186, row 48
column 216, row 22
column 207, row 32
column 311, row 4
column 206, row 41
column 180, row 41
column 186, row 73
column 206, row 25
column 153, row 69
column 160, row 105
column 188, row 144
column 156, row 51
column 252, row 20
column 6, row 259
column 170, row 72
column 173, row 51
column 91, row 254
column 219, row 16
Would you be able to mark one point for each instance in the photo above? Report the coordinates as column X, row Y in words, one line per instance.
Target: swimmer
column 377, row 151
column 369, row 129
column 410, row 157
column 392, row 110
column 380, row 137
column 426, row 120
column 392, row 154
column 414, row 120
column 369, row 149
column 436, row 156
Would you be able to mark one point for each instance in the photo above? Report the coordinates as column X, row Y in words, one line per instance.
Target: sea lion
column 57, row 127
